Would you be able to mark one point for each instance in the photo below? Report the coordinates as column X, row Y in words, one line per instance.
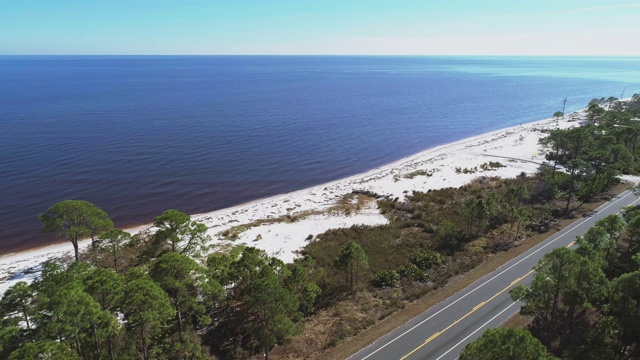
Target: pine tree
column 75, row 220
column 350, row 260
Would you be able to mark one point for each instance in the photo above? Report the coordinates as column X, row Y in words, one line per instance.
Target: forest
column 163, row 293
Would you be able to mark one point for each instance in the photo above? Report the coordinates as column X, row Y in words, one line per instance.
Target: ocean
column 137, row 135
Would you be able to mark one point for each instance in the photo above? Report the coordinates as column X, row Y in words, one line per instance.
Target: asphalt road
column 442, row 331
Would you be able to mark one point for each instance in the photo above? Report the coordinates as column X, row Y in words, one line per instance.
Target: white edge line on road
column 566, row 231
column 476, row 330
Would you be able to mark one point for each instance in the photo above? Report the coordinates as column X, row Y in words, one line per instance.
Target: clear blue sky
column 438, row 27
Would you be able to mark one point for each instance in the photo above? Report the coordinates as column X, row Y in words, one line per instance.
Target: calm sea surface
column 140, row 135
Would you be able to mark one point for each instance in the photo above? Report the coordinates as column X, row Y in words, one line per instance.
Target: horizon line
column 336, row 55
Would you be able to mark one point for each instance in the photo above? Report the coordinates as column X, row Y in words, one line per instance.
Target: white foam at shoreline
column 516, row 147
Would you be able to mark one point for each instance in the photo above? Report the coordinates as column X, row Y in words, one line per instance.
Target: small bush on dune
column 426, row 259
column 385, row 279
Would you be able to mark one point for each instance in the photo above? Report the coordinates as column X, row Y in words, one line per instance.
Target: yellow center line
column 465, row 316
column 433, row 336
column 479, row 305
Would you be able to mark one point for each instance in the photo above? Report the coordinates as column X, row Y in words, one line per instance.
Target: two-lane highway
column 442, row 331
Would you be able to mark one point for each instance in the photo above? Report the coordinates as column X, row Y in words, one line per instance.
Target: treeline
column 594, row 154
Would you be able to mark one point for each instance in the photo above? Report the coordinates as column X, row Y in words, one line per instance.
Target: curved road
column 442, row 331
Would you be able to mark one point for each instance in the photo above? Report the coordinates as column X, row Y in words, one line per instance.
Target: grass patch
column 488, row 166
column 413, row 174
column 349, row 204
column 227, row 248
column 233, row 233
column 491, row 165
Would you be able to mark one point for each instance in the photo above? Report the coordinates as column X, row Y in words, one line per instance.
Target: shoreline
column 250, row 203
column 515, row 147
column 135, row 228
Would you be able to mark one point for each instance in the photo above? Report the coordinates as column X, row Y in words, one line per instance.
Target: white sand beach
column 516, row 148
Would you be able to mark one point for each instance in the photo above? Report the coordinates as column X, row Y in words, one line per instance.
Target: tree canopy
column 350, row 260
column 182, row 235
column 74, row 220
column 505, row 344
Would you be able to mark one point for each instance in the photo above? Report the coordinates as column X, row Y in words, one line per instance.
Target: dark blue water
column 139, row 135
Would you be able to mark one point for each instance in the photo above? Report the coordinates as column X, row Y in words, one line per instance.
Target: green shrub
column 491, row 165
column 385, row 279
column 426, row 259
column 411, row 272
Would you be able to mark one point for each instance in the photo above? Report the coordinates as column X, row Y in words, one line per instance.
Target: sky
column 320, row 27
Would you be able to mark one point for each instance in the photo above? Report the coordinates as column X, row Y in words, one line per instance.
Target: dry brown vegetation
column 371, row 313
column 348, row 204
